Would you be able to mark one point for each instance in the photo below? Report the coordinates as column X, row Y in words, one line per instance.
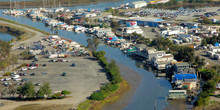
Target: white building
column 138, row 4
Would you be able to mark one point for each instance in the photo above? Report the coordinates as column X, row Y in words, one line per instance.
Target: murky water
column 149, row 91
column 6, row 37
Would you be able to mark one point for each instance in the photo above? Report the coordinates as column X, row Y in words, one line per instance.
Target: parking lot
column 83, row 77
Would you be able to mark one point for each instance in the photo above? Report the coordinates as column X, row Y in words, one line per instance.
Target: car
column 24, row 80
column 36, row 65
column 5, row 83
column 44, row 65
column 21, row 74
column 73, row 64
column 63, row 74
column 17, row 79
column 24, row 74
column 50, row 61
column 32, row 67
column 37, row 84
column 24, row 69
column 68, row 61
column 32, row 74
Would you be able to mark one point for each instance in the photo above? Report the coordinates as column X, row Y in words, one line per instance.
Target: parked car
column 24, row 69
column 37, row 84
column 44, row 65
column 63, row 74
column 73, row 64
column 32, row 74
column 25, row 74
column 32, row 67
column 24, row 80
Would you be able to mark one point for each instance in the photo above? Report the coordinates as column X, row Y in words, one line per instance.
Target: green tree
column 206, row 21
column 92, row 43
column 44, row 90
column 65, row 92
column 115, row 25
column 97, row 95
column 143, row 40
column 28, row 90
column 204, row 42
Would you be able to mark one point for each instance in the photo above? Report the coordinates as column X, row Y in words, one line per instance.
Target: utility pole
column 155, row 105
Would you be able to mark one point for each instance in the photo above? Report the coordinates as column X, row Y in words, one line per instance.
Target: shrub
column 110, row 87
column 57, row 96
column 97, row 96
column 7, row 74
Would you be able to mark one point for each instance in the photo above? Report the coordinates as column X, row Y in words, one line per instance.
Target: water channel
column 6, row 37
column 149, row 91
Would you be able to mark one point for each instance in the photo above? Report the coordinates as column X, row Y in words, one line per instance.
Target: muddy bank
column 134, row 79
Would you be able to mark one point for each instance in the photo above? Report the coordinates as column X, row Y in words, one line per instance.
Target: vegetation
column 27, row 91
column 6, row 58
column 44, row 90
column 92, row 43
column 65, row 92
column 115, row 25
column 211, row 77
column 211, row 40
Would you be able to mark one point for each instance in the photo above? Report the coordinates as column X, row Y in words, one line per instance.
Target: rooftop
column 182, row 64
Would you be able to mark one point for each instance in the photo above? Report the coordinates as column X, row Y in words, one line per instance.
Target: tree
column 115, row 25
column 92, row 43
column 143, row 40
column 204, row 42
column 12, row 90
column 65, row 92
column 44, row 90
column 3, row 90
column 206, row 21
column 95, row 20
column 97, row 96
column 28, row 90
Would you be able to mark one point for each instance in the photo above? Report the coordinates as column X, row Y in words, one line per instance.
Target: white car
column 7, row 79
column 32, row 67
column 68, row 61
column 17, row 79
column 23, row 69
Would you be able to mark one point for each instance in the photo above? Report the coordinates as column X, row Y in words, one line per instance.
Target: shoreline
column 133, row 79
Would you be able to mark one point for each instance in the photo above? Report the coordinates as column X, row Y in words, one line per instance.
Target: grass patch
column 110, row 98
column 85, row 105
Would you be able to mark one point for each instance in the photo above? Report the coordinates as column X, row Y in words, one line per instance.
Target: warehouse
column 151, row 22
column 138, row 4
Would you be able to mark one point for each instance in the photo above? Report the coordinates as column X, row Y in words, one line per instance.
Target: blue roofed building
column 185, row 77
column 151, row 22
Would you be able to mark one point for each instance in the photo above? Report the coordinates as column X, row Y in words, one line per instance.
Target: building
column 189, row 85
column 177, row 94
column 160, row 62
column 151, row 53
column 151, row 22
column 179, row 67
column 141, row 50
column 138, row 4
column 102, row 31
column 185, row 77
column 190, row 25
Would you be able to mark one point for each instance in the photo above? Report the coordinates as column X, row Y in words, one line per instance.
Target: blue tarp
column 217, row 44
column 185, row 76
